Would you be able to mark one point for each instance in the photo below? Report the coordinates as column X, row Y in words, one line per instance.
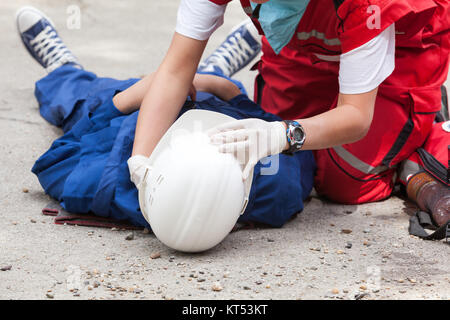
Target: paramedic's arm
column 348, row 122
column 167, row 93
column 361, row 71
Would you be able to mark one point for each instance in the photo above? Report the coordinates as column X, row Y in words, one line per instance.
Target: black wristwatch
column 295, row 135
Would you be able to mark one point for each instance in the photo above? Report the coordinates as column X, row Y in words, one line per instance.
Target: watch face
column 298, row 135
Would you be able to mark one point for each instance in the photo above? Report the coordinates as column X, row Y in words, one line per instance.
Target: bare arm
column 348, row 122
column 131, row 99
column 168, row 91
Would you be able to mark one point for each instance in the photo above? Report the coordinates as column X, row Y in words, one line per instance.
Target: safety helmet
column 194, row 194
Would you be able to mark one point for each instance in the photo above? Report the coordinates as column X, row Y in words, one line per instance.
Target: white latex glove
column 249, row 140
column 138, row 166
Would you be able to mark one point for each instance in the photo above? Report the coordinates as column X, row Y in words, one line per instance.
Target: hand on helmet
column 138, row 166
column 249, row 140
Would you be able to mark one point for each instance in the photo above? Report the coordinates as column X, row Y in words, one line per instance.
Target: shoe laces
column 232, row 54
column 50, row 48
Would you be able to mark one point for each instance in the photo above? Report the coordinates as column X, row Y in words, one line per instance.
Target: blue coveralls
column 86, row 168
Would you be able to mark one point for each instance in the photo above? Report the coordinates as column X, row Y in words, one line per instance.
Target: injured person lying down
column 188, row 184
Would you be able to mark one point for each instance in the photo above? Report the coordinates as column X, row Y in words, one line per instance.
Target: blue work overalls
column 86, row 168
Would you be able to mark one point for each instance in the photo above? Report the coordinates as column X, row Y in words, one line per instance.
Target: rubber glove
column 249, row 140
column 138, row 166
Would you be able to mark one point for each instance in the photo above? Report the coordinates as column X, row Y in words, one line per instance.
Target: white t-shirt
column 361, row 70
column 198, row 19
column 366, row 67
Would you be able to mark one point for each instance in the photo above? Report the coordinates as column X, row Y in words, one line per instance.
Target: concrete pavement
column 329, row 251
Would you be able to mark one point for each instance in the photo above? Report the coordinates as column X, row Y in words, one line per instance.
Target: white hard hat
column 194, row 194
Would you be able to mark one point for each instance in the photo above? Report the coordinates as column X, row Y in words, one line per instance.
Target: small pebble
column 366, row 231
column 32, row 221
column 346, row 231
column 359, row 296
column 130, row 236
column 49, row 295
column 217, row 286
column 246, row 288
column 146, row 231
column 335, row 291
column 25, row 190
column 155, row 255
column 6, row 268
column 348, row 245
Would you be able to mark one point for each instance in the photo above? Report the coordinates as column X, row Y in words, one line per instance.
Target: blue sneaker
column 39, row 36
column 240, row 47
